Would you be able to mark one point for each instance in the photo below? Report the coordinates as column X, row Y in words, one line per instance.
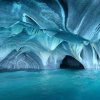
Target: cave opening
column 71, row 63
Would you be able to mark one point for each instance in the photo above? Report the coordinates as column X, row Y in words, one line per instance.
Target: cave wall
column 49, row 30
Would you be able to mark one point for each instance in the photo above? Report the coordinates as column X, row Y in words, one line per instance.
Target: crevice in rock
column 71, row 63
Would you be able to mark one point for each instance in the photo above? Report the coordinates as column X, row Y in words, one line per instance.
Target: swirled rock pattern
column 38, row 34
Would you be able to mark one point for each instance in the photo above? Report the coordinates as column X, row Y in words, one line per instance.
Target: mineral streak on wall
column 38, row 34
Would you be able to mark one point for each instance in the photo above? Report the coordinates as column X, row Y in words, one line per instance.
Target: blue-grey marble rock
column 38, row 34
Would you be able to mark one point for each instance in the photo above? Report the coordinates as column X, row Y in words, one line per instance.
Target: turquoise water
column 50, row 85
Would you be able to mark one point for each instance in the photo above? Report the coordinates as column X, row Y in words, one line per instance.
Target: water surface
column 50, row 85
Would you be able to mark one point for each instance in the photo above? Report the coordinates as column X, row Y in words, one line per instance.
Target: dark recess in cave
column 71, row 63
